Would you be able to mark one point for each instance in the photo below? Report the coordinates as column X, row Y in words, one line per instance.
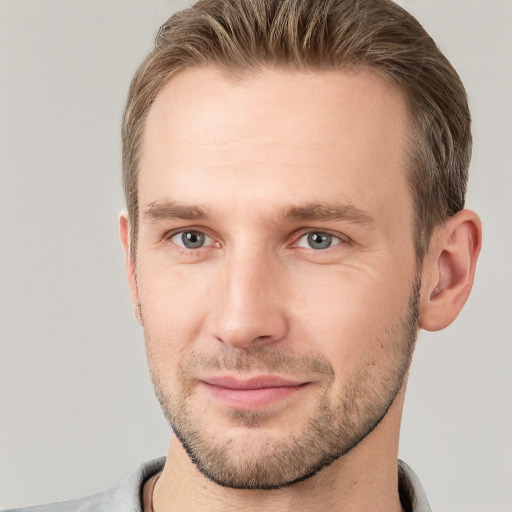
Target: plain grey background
column 77, row 407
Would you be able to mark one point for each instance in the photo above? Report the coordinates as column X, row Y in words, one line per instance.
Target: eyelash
column 334, row 238
column 341, row 239
column 183, row 248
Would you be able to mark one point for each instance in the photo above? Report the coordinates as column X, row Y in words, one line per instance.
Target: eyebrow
column 169, row 210
column 309, row 212
column 324, row 211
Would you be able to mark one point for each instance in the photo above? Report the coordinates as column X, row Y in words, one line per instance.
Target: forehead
column 338, row 133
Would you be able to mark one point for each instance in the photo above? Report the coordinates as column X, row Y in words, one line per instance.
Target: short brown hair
column 240, row 36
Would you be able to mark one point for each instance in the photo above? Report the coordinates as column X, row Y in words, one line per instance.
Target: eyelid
column 210, row 240
column 340, row 239
column 213, row 241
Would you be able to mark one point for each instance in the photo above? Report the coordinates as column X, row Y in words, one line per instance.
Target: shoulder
column 88, row 504
column 123, row 498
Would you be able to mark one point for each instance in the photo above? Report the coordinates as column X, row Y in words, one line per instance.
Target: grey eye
column 318, row 240
column 190, row 239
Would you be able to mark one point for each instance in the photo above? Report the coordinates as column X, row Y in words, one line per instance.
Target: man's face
column 276, row 271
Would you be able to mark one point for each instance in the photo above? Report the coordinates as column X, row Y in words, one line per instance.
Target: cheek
column 174, row 306
column 346, row 316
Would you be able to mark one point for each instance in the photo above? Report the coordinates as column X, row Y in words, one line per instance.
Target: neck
column 364, row 479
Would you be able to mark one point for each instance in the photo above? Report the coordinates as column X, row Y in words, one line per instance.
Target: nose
column 251, row 305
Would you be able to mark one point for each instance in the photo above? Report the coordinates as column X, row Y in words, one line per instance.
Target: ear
column 131, row 273
column 449, row 270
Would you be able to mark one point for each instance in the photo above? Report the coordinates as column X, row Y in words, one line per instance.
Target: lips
column 251, row 393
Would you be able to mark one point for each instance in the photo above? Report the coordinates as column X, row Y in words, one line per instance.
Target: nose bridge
column 250, row 309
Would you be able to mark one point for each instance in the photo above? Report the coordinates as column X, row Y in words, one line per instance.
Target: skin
column 227, row 159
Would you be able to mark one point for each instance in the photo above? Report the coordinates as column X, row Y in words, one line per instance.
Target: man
column 295, row 176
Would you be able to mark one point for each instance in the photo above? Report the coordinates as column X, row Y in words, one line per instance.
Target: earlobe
column 131, row 273
column 450, row 270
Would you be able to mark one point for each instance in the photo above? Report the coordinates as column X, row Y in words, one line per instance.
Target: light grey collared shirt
column 127, row 496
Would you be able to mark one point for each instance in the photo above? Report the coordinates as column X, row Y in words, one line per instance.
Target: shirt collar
column 128, row 496
column 411, row 491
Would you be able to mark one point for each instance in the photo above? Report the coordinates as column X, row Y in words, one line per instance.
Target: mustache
column 262, row 359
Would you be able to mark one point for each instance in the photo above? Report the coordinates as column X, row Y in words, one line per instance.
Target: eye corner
column 319, row 240
column 191, row 239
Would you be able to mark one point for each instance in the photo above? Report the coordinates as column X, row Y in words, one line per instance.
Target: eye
column 318, row 240
column 191, row 239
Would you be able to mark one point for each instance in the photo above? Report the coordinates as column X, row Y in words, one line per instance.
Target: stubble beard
column 332, row 430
